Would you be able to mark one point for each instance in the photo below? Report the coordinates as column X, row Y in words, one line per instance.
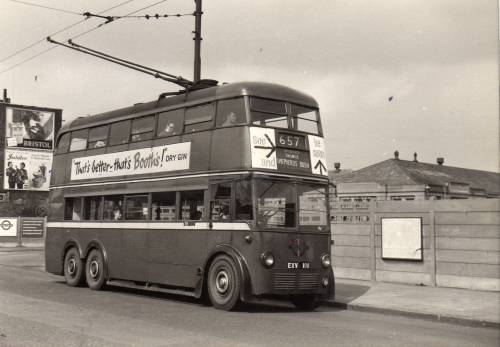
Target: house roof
column 403, row 172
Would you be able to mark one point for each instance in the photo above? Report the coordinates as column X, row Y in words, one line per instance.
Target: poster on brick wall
column 29, row 128
column 27, row 170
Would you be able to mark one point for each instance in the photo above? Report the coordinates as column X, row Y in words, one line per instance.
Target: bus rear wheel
column 224, row 283
column 306, row 302
column 73, row 268
column 94, row 270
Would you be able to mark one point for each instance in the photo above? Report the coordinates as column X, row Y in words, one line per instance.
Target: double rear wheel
column 95, row 273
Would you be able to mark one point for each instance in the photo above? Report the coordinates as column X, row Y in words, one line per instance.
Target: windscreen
column 288, row 205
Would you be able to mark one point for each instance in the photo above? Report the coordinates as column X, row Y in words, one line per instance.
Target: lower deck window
column 73, row 209
column 163, row 206
column 136, row 207
column 113, row 207
column 92, row 208
column 192, row 204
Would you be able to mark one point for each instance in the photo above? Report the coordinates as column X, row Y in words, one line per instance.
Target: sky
column 408, row 75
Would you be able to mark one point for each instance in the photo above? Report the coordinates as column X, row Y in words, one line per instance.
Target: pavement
column 458, row 306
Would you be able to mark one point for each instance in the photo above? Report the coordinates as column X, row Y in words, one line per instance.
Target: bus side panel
column 55, row 239
column 237, row 156
column 200, row 148
column 175, row 256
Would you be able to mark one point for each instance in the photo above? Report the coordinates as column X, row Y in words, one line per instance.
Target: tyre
column 94, row 270
column 224, row 283
column 306, row 302
column 73, row 268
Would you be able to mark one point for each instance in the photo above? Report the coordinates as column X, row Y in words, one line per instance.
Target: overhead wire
column 57, row 32
column 111, row 19
column 46, row 7
column 74, row 37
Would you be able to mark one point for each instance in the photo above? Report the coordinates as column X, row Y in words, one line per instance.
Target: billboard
column 29, row 128
column 27, row 170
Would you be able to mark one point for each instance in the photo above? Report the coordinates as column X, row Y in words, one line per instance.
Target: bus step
column 150, row 287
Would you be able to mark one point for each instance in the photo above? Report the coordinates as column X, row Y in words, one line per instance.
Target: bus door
column 177, row 237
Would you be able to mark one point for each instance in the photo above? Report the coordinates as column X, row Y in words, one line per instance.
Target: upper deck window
column 98, row 137
column 78, row 140
column 142, row 128
column 120, row 133
column 269, row 113
column 170, row 123
column 199, row 118
column 304, row 119
column 231, row 112
column 63, row 145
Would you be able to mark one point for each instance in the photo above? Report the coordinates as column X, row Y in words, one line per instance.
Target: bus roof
column 224, row 91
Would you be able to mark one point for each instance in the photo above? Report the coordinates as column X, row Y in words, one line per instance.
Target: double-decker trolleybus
column 220, row 191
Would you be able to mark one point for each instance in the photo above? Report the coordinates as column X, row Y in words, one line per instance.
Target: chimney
column 337, row 167
column 415, row 157
column 396, row 155
column 440, row 161
column 5, row 98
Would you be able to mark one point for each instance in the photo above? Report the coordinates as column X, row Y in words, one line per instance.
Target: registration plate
column 299, row 265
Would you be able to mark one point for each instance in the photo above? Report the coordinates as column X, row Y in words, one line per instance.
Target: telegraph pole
column 197, row 41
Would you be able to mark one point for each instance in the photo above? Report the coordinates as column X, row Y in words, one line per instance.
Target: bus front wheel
column 73, row 267
column 224, row 283
column 94, row 270
column 306, row 302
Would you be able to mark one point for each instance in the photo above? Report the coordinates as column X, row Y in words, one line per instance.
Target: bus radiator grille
column 284, row 281
column 308, row 280
column 301, row 281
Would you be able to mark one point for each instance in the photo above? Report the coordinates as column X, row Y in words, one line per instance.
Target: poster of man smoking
column 29, row 128
column 27, row 170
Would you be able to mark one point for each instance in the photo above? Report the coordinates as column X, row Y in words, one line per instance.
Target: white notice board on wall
column 402, row 239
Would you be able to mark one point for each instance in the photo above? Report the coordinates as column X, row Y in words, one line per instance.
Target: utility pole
column 197, row 41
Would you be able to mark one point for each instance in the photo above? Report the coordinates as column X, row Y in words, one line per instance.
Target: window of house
column 220, row 201
column 98, row 137
column 73, row 209
column 113, row 207
column 78, row 140
column 119, row 133
column 142, row 128
column 231, row 112
column 199, row 118
column 92, row 208
column 170, row 122
column 63, row 144
column 192, row 204
column 136, row 207
column 163, row 206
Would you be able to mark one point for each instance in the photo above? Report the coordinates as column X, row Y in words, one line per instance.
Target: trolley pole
column 197, row 41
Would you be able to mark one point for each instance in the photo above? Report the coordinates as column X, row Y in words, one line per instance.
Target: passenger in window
column 224, row 213
column 169, row 130
column 99, row 144
column 231, row 119
column 117, row 213
column 196, row 215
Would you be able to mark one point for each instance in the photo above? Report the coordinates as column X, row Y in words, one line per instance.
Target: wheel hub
column 94, row 269
column 71, row 266
column 222, row 282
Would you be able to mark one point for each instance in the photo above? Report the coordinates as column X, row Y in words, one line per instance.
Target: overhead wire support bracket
column 131, row 65
column 108, row 18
